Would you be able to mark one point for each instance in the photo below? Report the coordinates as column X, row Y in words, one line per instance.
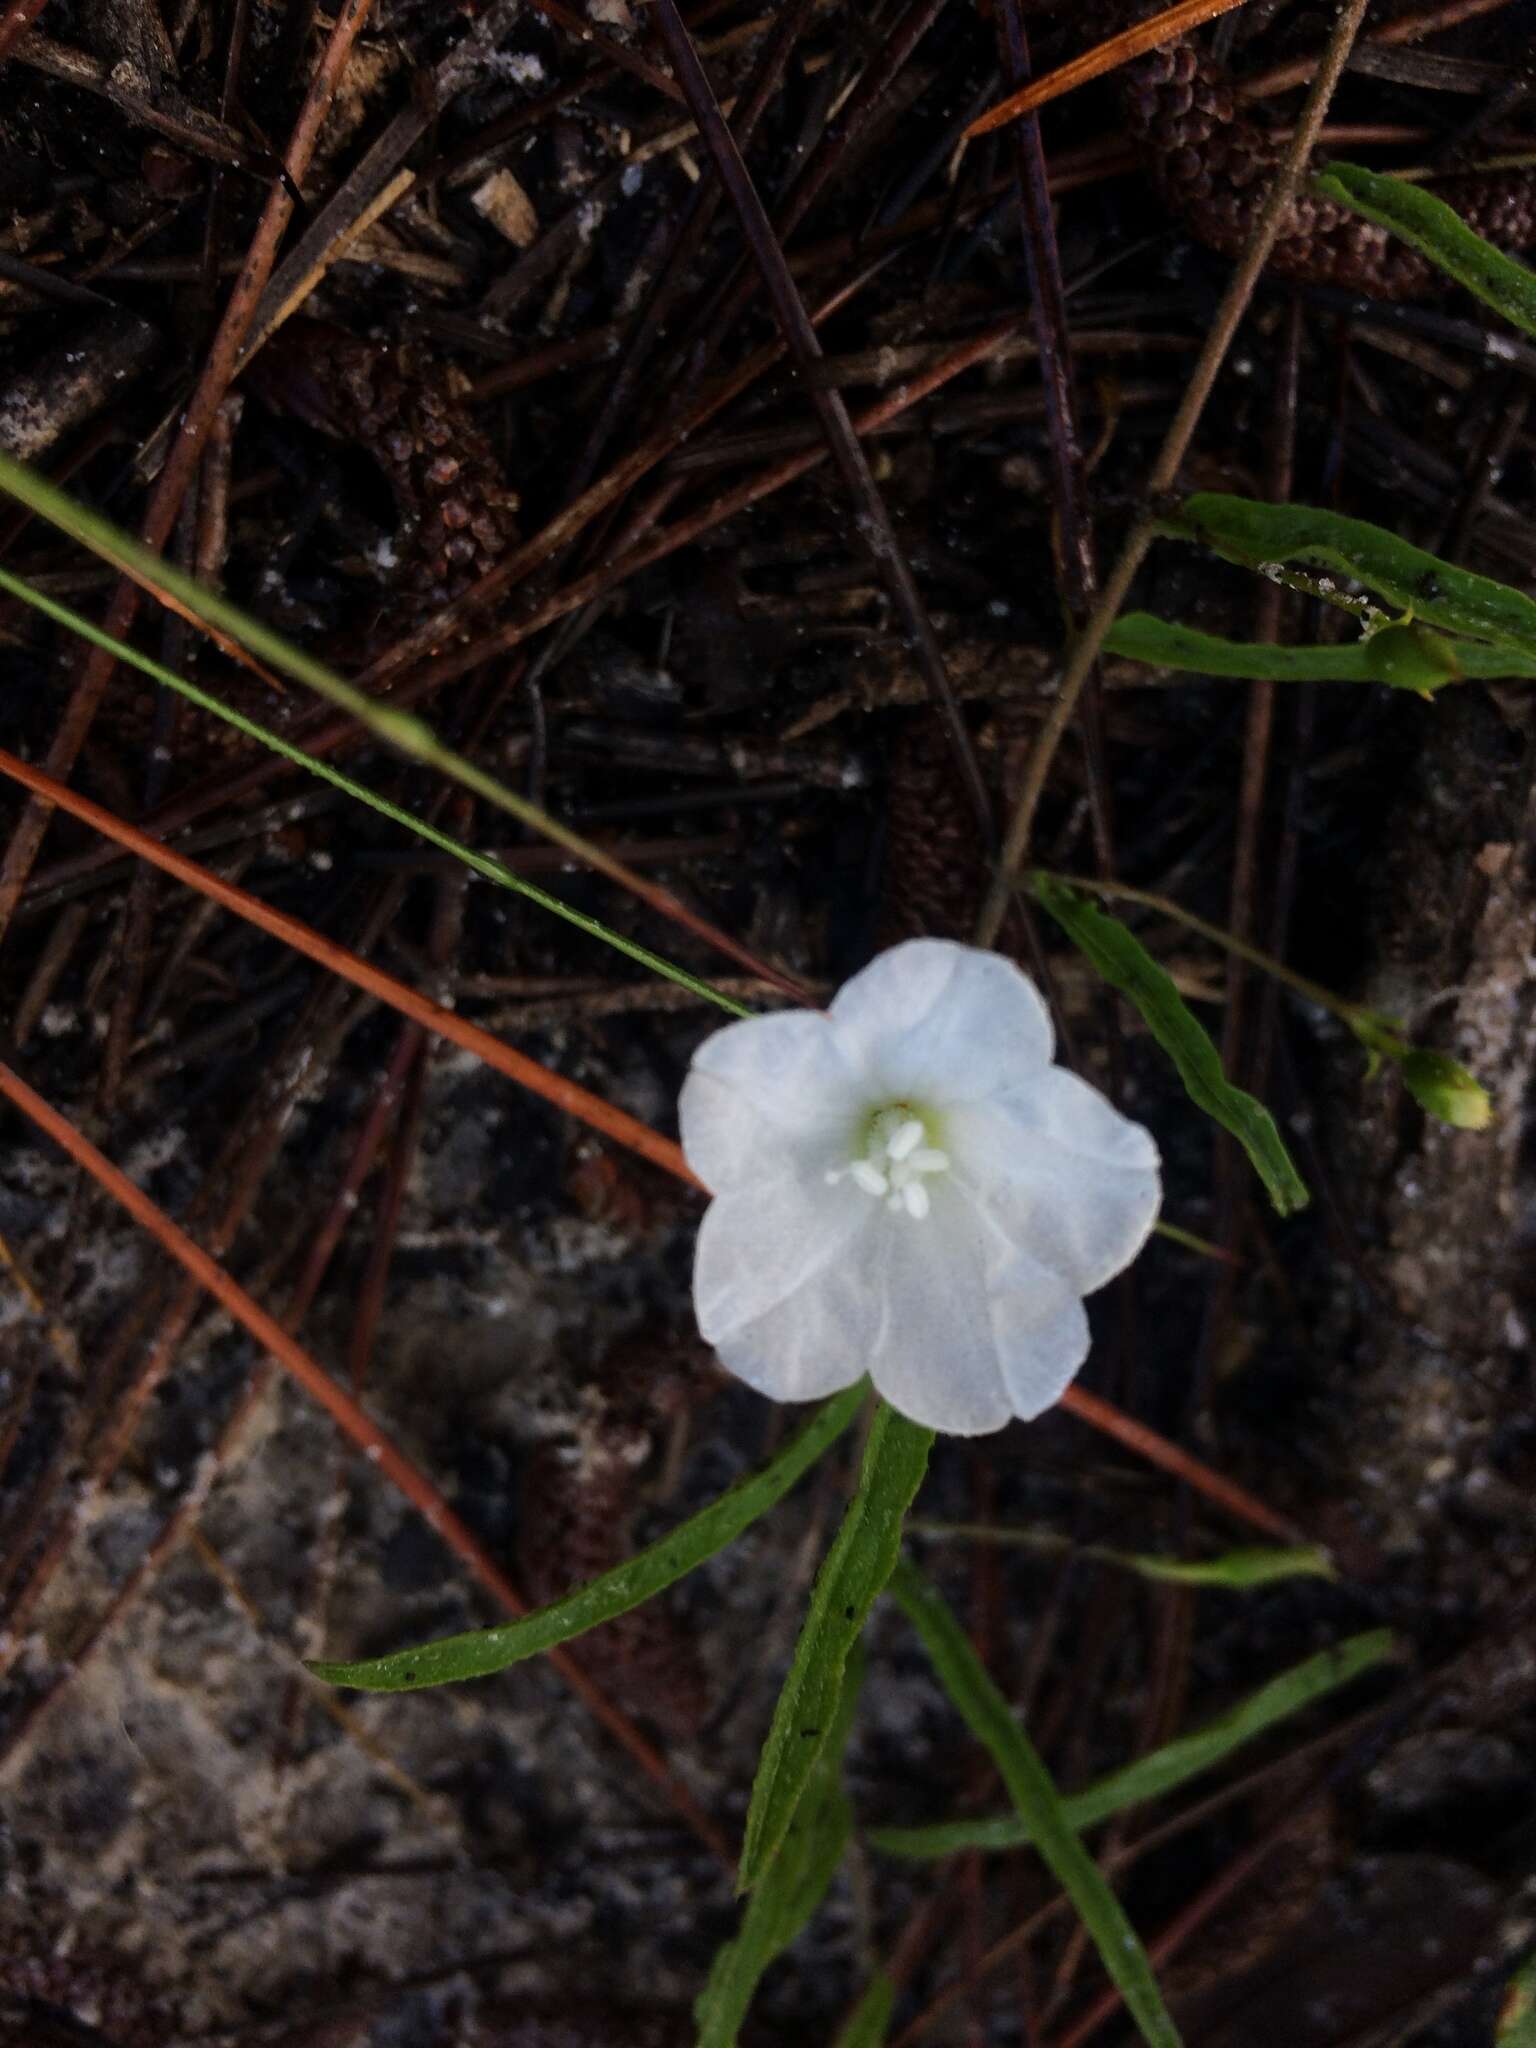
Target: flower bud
column 1445, row 1088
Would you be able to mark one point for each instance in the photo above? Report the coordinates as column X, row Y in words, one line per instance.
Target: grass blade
column 482, row 1651
column 793, row 1886
column 482, row 863
column 1163, row 1770
column 1236, row 1570
column 1408, row 657
column 1039, row 1805
column 867, row 2023
column 1437, row 593
column 1438, row 232
column 1127, row 966
column 861, row 1559
column 242, row 635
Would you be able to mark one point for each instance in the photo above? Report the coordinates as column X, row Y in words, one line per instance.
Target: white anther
column 869, row 1177
column 928, row 1159
column 915, row 1195
column 905, row 1139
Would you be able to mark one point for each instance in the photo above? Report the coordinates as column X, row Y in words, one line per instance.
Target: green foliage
column 1127, row 966
column 1438, row 232
column 1238, row 1571
column 867, row 2023
column 1163, row 1770
column 401, row 729
column 861, row 1559
column 793, row 1885
column 650, row 1571
column 1406, row 656
column 1420, row 585
column 1235, row 1570
column 1040, row 1808
column 482, row 863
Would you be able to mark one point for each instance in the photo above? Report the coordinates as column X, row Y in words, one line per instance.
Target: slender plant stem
column 1229, row 315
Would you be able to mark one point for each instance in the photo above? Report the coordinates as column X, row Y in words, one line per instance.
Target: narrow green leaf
column 1254, row 1565
column 1127, row 965
column 650, row 1571
column 1237, row 1570
column 1408, row 657
column 482, row 863
column 1435, row 592
column 1164, row 1769
column 1438, row 232
column 867, row 2024
column 401, row 729
column 793, row 1886
column 853, row 1574
column 1039, row 1805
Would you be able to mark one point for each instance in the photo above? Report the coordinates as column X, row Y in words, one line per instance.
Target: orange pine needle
column 1120, row 49
column 358, row 1426
column 565, row 1095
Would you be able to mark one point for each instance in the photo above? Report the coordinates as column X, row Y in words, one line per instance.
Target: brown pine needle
column 1120, row 49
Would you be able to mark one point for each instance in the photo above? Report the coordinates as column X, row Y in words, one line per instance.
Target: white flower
column 907, row 1187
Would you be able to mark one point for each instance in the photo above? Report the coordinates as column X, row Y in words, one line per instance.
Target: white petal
column 759, row 1244
column 1064, row 1176
column 935, row 1356
column 763, row 1091
column 941, row 1022
column 1042, row 1334
column 821, row 1337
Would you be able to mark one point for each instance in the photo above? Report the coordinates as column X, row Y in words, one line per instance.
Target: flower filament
column 896, row 1161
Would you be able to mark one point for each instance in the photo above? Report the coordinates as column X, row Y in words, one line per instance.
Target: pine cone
column 457, row 516
column 935, row 873
column 1213, row 164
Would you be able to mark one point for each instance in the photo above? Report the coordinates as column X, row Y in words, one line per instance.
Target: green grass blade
column 1039, row 1805
column 1127, row 966
column 1438, row 232
column 1437, row 593
column 793, row 1886
column 1165, row 1769
column 648, row 1572
column 871, row 2017
column 1236, row 1570
column 400, row 729
column 482, row 863
column 1411, row 657
column 861, row 1559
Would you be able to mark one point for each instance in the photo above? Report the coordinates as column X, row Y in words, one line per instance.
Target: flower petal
column 765, row 1092
column 942, row 1022
column 761, row 1243
column 1061, row 1173
column 819, row 1338
column 1042, row 1334
column 935, row 1354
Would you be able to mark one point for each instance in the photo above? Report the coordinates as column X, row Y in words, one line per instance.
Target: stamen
column 894, row 1162
column 905, row 1139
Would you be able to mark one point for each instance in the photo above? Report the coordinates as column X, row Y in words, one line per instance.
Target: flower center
column 896, row 1159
